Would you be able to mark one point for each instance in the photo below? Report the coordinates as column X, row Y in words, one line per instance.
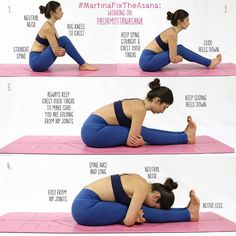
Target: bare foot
column 194, row 207
column 87, row 66
column 190, row 194
column 215, row 61
column 191, row 130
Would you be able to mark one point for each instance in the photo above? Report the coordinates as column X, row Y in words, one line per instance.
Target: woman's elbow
column 129, row 222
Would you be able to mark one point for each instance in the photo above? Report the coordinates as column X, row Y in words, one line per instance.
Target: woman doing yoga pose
column 121, row 123
column 130, row 199
column 48, row 45
column 164, row 48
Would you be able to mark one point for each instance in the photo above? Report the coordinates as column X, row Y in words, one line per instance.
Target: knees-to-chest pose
column 48, row 45
column 130, row 199
column 164, row 48
column 120, row 123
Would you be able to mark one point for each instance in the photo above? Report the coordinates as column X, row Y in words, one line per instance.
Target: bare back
column 48, row 32
column 103, row 187
column 169, row 36
column 129, row 107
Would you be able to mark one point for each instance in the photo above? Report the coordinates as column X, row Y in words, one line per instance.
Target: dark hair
column 177, row 15
column 167, row 196
column 51, row 6
column 162, row 92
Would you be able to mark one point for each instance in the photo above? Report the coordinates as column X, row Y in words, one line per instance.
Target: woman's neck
column 52, row 21
column 147, row 104
column 177, row 29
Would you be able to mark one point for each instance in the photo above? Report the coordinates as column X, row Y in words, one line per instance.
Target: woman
column 48, row 45
column 120, row 123
column 130, row 199
column 164, row 49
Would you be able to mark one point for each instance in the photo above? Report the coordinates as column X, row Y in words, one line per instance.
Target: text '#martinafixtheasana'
column 120, row 13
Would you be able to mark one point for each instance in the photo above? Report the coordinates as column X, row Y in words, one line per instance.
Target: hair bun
column 42, row 9
column 170, row 184
column 155, row 84
column 170, row 15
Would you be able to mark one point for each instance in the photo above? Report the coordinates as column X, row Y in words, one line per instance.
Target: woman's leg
column 88, row 209
column 162, row 137
column 189, row 213
column 97, row 133
column 154, row 215
column 108, row 136
column 192, row 56
column 65, row 43
column 151, row 61
column 41, row 61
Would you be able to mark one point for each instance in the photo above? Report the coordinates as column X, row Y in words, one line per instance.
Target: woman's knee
column 63, row 40
column 180, row 46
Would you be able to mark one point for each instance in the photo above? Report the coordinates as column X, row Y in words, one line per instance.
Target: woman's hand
column 134, row 213
column 176, row 59
column 135, row 141
column 140, row 219
column 59, row 52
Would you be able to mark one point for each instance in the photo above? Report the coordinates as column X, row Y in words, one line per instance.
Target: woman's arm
column 138, row 197
column 172, row 43
column 51, row 37
column 134, row 138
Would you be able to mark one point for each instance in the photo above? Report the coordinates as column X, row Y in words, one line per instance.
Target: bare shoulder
column 170, row 33
column 136, row 104
column 138, row 178
column 134, row 182
column 46, row 28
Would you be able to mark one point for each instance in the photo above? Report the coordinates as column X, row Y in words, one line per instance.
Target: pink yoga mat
column 74, row 145
column 118, row 70
column 63, row 223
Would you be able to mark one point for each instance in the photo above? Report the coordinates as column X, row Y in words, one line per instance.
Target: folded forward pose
column 130, row 199
column 121, row 123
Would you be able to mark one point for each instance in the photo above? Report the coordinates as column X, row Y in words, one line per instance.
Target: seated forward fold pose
column 164, row 49
column 48, row 45
column 120, row 123
column 130, row 199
